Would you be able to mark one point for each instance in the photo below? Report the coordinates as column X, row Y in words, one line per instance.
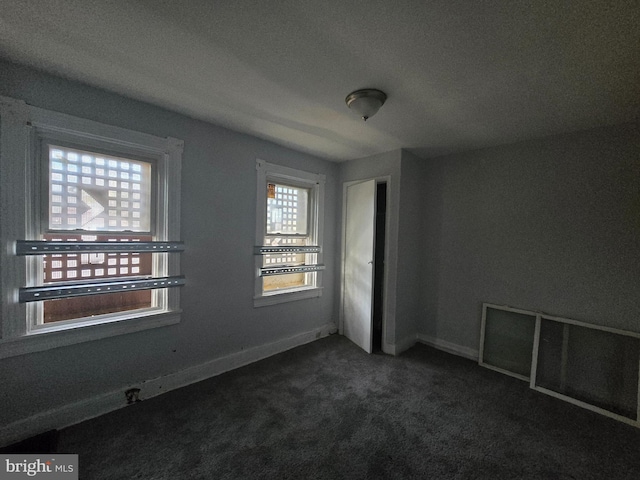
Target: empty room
column 336, row 239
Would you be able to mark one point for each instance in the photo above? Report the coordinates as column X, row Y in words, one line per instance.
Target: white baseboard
column 408, row 342
column 93, row 407
column 400, row 346
column 466, row 352
column 404, row 344
column 389, row 348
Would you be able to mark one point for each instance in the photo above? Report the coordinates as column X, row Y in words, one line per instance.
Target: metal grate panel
column 51, row 292
column 43, row 247
column 290, row 269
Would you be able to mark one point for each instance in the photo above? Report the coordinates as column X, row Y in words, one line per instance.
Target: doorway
column 363, row 280
column 378, row 265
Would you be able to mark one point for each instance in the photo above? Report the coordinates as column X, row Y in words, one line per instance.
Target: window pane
column 596, row 367
column 82, row 307
column 286, row 209
column 285, row 258
column 95, row 266
column 291, row 280
column 95, row 192
column 508, row 340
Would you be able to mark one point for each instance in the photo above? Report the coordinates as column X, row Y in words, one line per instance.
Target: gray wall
column 411, row 254
column 550, row 225
column 430, row 246
column 218, row 227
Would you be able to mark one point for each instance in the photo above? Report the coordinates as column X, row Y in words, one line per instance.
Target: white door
column 357, row 283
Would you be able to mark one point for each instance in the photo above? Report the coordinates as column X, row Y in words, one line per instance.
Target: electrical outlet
column 132, row 395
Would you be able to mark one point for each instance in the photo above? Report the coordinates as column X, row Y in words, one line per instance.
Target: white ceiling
column 459, row 74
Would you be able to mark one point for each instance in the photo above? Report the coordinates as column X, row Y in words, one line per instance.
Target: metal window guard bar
column 266, row 249
column 78, row 289
column 267, row 271
column 44, row 247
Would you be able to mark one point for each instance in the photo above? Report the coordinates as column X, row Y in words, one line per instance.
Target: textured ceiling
column 459, row 74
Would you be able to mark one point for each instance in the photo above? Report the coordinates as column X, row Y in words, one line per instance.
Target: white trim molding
column 408, row 342
column 400, row 345
column 454, row 348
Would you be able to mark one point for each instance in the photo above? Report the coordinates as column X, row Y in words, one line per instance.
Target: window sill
column 284, row 296
column 48, row 338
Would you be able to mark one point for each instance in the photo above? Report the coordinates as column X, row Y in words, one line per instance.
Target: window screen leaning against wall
column 95, row 233
column 289, row 224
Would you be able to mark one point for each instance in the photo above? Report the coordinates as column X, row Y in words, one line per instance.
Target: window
column 287, row 225
column 94, row 226
column 109, row 199
column 288, row 234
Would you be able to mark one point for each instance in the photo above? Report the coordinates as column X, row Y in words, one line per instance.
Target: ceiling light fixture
column 366, row 102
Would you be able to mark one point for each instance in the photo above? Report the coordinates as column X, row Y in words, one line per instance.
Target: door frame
column 386, row 292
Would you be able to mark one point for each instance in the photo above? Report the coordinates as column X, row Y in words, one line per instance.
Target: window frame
column 24, row 131
column 272, row 173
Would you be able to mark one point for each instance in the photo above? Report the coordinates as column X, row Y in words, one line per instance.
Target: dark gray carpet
column 327, row 410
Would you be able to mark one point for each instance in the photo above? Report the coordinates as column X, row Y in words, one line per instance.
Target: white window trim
column 21, row 128
column 269, row 172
